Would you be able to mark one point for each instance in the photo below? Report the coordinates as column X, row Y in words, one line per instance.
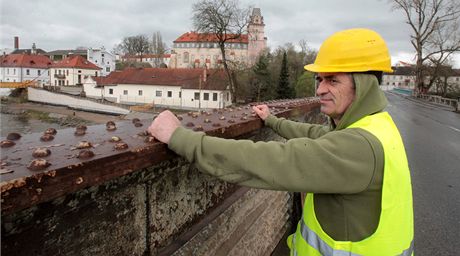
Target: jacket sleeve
column 338, row 162
column 290, row 129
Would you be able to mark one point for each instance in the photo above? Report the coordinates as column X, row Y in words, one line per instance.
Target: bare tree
column 157, row 47
column 225, row 20
column 433, row 25
column 134, row 45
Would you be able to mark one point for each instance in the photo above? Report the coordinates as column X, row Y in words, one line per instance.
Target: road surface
column 431, row 136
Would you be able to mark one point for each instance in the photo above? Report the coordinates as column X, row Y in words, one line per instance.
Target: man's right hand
column 262, row 111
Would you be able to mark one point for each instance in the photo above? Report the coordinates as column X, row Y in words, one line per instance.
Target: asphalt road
column 431, row 137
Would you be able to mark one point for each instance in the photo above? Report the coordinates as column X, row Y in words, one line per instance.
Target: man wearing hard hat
column 355, row 171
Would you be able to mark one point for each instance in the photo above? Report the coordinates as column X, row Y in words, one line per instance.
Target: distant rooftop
column 67, row 52
column 205, row 37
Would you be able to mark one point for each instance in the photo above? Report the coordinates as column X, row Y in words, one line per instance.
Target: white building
column 72, row 71
column 403, row 76
column 177, row 88
column 25, row 67
column 103, row 59
column 98, row 56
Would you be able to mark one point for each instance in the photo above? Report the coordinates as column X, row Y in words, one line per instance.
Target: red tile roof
column 204, row 37
column 25, row 61
column 185, row 78
column 75, row 61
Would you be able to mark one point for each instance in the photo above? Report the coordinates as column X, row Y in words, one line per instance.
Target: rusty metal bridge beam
column 87, row 156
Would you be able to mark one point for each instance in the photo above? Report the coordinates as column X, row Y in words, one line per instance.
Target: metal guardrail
column 440, row 100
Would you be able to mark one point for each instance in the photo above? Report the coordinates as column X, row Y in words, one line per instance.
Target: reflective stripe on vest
column 322, row 247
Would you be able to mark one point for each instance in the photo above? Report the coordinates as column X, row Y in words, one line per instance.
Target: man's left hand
column 164, row 126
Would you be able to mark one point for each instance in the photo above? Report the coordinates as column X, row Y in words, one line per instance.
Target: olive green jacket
column 342, row 166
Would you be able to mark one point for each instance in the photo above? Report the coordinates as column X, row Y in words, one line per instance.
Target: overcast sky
column 66, row 24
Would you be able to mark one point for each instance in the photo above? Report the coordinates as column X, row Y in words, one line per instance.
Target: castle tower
column 256, row 35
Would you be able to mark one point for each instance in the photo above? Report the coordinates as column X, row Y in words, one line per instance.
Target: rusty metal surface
column 116, row 152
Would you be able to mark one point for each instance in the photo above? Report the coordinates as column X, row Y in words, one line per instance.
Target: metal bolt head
column 41, row 152
column 38, row 164
column 13, row 136
column 7, row 143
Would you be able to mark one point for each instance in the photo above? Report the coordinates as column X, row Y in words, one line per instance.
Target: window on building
column 59, row 72
column 125, row 92
column 197, row 96
column 79, row 71
column 139, row 92
column 180, row 94
column 14, row 71
column 107, row 69
column 48, row 72
column 28, row 72
column 214, row 96
column 186, row 59
column 226, row 96
column 170, row 94
column 67, row 71
column 55, row 82
column 67, row 82
column 110, row 91
column 158, row 93
column 205, row 96
column 39, row 72
column 7, row 71
column 95, row 73
column 102, row 55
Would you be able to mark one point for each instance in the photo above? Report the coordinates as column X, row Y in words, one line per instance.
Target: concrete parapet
column 139, row 198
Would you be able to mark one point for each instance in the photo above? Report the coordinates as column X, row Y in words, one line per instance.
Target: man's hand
column 164, row 126
column 262, row 111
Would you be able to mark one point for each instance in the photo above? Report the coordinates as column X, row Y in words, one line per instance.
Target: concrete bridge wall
column 164, row 207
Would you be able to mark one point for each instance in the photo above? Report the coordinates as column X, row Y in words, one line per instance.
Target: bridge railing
column 440, row 100
column 112, row 189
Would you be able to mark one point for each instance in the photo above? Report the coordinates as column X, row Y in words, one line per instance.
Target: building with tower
column 199, row 50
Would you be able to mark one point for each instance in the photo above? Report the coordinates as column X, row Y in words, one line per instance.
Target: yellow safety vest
column 395, row 232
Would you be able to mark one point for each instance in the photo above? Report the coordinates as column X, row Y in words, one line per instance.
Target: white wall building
column 25, row 67
column 72, row 71
column 98, row 56
column 103, row 59
column 402, row 77
column 177, row 88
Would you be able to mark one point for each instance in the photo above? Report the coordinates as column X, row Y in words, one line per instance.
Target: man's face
column 336, row 92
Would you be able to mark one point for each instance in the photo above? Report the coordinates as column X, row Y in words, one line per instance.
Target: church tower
column 256, row 36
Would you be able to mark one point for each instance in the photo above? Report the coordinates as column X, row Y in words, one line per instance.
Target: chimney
column 34, row 49
column 16, row 42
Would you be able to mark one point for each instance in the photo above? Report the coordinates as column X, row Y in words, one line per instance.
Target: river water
column 22, row 125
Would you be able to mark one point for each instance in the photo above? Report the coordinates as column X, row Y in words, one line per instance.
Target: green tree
column 305, row 85
column 261, row 83
column 284, row 90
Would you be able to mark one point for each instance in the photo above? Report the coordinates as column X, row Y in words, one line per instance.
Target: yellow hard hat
column 353, row 50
